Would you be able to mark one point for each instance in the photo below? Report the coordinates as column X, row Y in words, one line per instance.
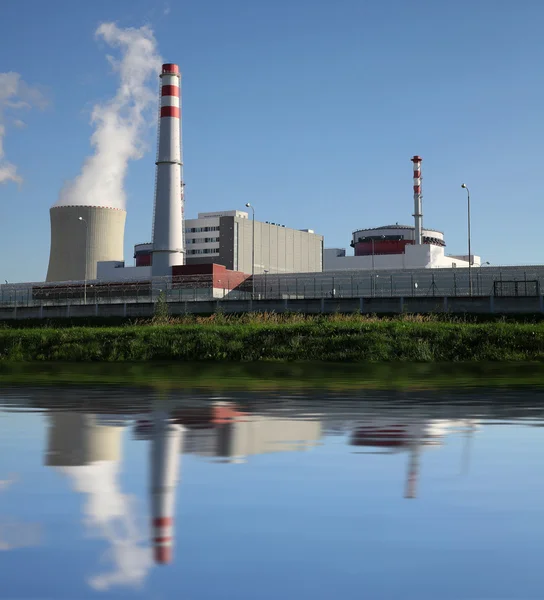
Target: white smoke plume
column 15, row 95
column 109, row 514
column 120, row 123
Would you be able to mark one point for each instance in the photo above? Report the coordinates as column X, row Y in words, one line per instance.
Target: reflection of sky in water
column 327, row 521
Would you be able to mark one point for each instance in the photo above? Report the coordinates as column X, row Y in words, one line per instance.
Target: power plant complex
column 92, row 249
column 230, row 254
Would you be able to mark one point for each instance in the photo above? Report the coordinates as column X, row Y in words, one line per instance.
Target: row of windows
column 200, row 229
column 205, row 251
column 202, row 240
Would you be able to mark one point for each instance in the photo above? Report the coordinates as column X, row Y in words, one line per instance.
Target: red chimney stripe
column 417, row 189
column 163, row 521
column 170, row 90
column 163, row 555
column 170, row 111
column 163, row 540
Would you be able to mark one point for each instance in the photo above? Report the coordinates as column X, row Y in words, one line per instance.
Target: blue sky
column 309, row 109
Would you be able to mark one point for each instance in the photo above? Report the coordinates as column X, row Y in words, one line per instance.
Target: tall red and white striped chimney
column 165, row 451
column 168, row 234
column 418, row 217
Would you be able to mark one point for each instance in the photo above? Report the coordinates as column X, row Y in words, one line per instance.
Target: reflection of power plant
column 222, row 430
column 234, row 435
column 87, row 448
column 400, row 435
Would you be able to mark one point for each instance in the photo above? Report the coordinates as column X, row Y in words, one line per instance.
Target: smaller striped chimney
column 413, row 472
column 418, row 217
column 165, row 451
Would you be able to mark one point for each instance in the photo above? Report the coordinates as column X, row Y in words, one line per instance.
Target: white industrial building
column 397, row 247
column 393, row 247
column 202, row 234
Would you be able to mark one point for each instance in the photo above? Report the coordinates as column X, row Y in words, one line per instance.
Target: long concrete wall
column 409, row 305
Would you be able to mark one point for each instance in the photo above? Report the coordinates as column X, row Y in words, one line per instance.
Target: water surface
column 133, row 493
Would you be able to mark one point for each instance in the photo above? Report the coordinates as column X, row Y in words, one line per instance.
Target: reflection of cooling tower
column 75, row 439
column 76, row 243
column 165, row 449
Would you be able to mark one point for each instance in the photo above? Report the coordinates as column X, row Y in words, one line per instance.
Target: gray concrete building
column 226, row 238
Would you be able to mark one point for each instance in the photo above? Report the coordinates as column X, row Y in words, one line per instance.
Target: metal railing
column 504, row 281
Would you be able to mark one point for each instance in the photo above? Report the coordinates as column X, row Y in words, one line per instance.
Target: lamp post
column 482, row 264
column 464, row 186
column 248, row 205
column 86, row 257
column 265, row 294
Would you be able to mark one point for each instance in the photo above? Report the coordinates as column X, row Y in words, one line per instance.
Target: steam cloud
column 110, row 515
column 15, row 94
column 119, row 123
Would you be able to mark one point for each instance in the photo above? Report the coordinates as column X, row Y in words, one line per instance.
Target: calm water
column 134, row 494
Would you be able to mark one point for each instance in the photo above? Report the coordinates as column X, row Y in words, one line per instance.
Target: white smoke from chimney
column 15, row 94
column 120, row 123
column 110, row 514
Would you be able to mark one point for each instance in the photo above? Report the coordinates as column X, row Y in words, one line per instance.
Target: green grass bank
column 249, row 338
column 294, row 377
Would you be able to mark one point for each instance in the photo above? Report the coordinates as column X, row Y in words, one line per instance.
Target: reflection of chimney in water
column 413, row 471
column 165, row 450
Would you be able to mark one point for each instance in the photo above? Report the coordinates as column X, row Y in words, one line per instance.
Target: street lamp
column 464, row 186
column 265, row 294
column 248, row 205
column 86, row 257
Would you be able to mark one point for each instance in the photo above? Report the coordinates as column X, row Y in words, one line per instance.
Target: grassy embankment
column 262, row 337
column 273, row 376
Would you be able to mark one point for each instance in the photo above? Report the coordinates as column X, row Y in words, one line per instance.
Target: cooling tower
column 77, row 244
column 76, row 439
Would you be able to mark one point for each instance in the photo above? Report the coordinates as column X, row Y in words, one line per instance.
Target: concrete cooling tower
column 77, row 439
column 81, row 236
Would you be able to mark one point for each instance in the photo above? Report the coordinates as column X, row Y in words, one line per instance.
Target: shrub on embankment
column 306, row 339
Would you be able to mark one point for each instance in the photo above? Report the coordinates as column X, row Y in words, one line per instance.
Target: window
column 204, row 251
column 202, row 240
column 200, row 229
